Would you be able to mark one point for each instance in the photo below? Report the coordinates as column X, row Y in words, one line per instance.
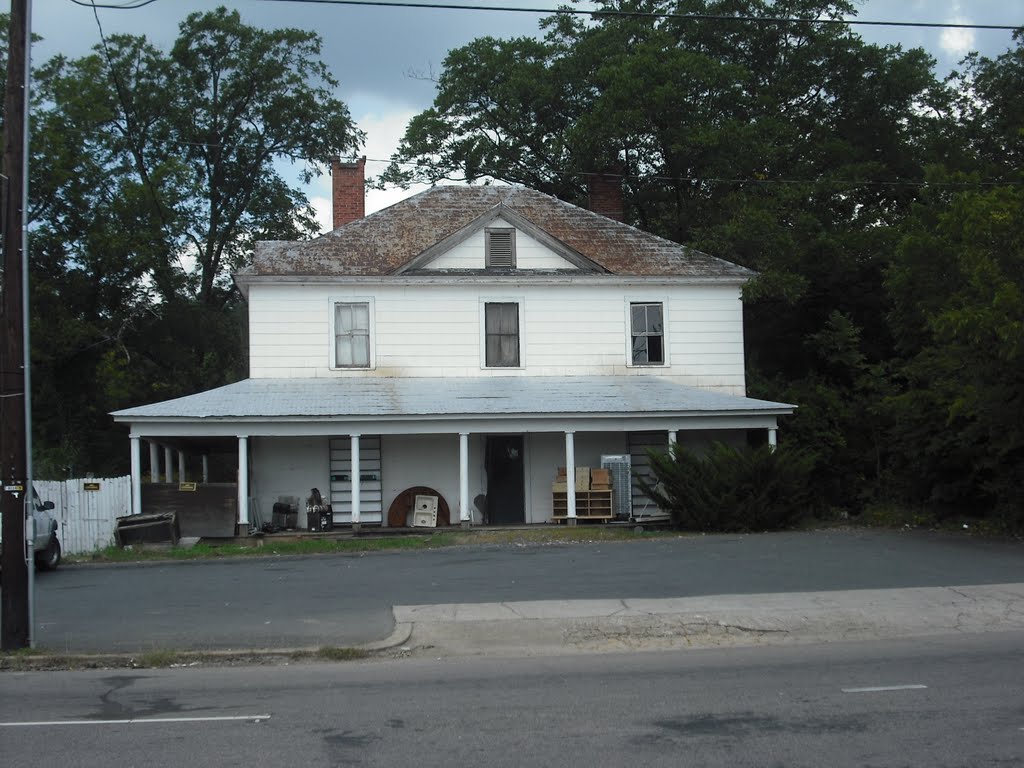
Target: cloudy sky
column 384, row 57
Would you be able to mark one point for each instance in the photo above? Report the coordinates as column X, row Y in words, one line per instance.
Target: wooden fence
column 87, row 510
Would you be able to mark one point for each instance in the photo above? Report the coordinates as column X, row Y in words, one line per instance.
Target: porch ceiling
column 409, row 399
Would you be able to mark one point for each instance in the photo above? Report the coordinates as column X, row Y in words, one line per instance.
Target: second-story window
column 352, row 334
column 500, row 248
column 501, row 335
column 647, row 333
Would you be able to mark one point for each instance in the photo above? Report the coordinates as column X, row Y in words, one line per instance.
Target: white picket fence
column 87, row 517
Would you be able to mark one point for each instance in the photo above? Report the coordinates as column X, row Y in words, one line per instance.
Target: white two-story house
column 471, row 341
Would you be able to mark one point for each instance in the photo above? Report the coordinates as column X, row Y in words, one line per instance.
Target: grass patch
column 310, row 545
column 159, row 659
column 332, row 653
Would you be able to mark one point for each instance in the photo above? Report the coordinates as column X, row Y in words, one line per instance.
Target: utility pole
column 15, row 623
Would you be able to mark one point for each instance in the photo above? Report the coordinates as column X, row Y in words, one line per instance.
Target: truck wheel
column 49, row 558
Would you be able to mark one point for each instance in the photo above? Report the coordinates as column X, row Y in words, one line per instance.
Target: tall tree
column 792, row 147
column 154, row 173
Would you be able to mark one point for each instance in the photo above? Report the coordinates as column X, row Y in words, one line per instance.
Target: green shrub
column 732, row 489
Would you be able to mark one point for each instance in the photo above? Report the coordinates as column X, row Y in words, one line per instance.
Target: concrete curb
column 594, row 626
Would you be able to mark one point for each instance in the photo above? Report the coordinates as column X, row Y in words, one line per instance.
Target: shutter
column 501, row 251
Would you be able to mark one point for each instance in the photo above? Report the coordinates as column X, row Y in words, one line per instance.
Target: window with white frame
column 352, row 334
column 647, row 332
column 501, row 334
column 500, row 248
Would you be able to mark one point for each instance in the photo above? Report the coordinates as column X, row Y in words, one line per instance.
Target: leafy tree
column 793, row 148
column 959, row 315
column 153, row 173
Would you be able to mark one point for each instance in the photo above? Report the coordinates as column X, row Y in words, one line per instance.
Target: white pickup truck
column 46, row 546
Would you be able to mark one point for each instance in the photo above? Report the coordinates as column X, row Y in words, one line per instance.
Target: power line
column 135, row 4
column 128, row 5
column 656, row 14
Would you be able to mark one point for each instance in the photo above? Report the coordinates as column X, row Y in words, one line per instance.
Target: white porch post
column 206, row 468
column 243, row 481
column 773, row 438
column 672, row 435
column 181, row 466
column 570, row 478
column 136, row 476
column 154, row 462
column 168, row 466
column 355, row 482
column 464, row 514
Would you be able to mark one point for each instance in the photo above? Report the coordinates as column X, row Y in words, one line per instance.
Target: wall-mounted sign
column 186, row 486
column 90, row 486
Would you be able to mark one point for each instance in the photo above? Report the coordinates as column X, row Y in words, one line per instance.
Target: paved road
column 952, row 702
column 347, row 599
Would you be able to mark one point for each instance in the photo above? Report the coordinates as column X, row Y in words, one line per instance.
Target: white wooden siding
column 469, row 254
column 434, row 330
column 87, row 518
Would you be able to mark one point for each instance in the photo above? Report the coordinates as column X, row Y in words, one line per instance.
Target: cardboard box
column 600, row 477
column 582, row 478
column 560, row 486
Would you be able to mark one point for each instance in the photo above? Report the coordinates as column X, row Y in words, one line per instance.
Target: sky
column 385, row 58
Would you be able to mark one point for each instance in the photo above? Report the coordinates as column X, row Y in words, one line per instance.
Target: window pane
column 639, row 318
column 654, row 323
column 342, row 318
column 654, row 351
column 509, row 350
column 501, row 331
column 639, row 349
column 361, row 351
column 343, row 352
column 352, row 335
column 361, row 316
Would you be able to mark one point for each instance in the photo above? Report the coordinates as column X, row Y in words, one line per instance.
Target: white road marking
column 877, row 688
column 140, row 721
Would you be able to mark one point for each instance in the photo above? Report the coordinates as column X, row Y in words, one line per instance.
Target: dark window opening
column 648, row 334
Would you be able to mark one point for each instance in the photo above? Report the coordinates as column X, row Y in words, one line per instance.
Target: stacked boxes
column 600, row 480
column 587, row 479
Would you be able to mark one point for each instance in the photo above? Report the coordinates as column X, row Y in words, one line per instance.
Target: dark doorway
column 505, row 491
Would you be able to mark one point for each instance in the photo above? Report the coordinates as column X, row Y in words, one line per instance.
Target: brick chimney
column 605, row 192
column 348, row 191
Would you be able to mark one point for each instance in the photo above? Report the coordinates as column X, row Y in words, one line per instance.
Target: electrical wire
column 129, row 5
column 655, row 14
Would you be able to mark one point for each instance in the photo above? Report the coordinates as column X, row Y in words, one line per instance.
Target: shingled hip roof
column 387, row 240
column 299, row 399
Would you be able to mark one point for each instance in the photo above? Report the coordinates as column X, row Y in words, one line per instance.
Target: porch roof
column 368, row 397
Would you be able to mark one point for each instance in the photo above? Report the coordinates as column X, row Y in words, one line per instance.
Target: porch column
column 464, row 514
column 154, row 462
column 672, row 435
column 355, row 482
column 168, row 466
column 773, row 439
column 243, row 481
column 206, row 468
column 136, row 476
column 570, row 478
column 181, row 466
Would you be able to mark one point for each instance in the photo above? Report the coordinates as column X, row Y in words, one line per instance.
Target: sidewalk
column 552, row 627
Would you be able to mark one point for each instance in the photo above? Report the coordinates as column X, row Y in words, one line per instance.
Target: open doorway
column 506, row 492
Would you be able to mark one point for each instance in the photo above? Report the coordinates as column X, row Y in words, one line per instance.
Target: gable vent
column 501, row 249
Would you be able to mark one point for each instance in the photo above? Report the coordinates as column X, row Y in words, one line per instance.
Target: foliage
column 153, row 172
column 959, row 315
column 732, row 489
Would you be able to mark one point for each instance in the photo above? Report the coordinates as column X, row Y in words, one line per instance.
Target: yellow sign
column 186, row 486
column 90, row 486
